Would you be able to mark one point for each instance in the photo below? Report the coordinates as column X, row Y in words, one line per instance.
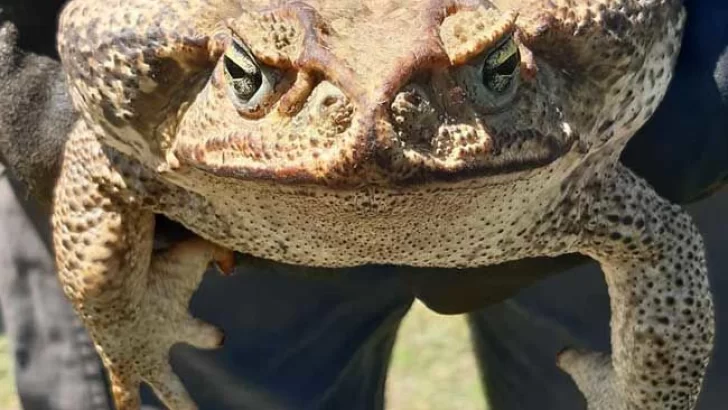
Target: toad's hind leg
column 133, row 302
column 662, row 313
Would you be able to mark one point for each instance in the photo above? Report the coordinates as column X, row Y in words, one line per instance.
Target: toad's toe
column 135, row 347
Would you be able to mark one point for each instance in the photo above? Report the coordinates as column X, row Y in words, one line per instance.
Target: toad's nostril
column 331, row 110
column 412, row 104
column 412, row 97
column 414, row 118
column 330, row 100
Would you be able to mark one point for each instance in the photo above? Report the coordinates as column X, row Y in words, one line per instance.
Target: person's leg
column 293, row 341
column 56, row 367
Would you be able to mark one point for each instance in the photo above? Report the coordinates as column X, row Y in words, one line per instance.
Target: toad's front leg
column 662, row 313
column 133, row 302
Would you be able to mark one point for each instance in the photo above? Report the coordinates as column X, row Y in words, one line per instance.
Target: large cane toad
column 337, row 133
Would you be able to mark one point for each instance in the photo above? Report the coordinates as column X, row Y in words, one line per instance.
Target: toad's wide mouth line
column 379, row 169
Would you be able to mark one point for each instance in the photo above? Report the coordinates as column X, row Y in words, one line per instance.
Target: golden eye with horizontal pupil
column 500, row 66
column 243, row 75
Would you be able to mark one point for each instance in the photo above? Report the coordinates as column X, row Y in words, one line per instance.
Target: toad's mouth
column 373, row 161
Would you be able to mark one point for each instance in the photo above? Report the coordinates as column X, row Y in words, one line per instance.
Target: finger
column 170, row 390
column 594, row 377
column 201, row 335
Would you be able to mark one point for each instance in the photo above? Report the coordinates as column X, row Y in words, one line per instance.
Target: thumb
column 594, row 377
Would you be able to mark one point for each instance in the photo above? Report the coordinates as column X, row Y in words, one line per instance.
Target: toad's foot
column 134, row 302
column 135, row 347
column 134, row 337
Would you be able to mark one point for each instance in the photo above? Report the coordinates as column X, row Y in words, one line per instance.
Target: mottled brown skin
column 374, row 137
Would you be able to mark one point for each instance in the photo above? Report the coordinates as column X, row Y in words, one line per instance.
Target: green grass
column 432, row 368
column 8, row 396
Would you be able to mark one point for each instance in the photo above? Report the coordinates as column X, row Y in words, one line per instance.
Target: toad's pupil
column 500, row 66
column 245, row 80
column 509, row 66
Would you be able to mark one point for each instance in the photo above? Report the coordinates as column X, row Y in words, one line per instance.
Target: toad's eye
column 243, row 75
column 500, row 66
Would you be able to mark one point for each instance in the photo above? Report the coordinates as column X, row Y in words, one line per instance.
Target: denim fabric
column 295, row 342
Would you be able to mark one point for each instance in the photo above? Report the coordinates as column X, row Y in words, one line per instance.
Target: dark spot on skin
column 604, row 126
column 633, row 117
column 109, row 113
